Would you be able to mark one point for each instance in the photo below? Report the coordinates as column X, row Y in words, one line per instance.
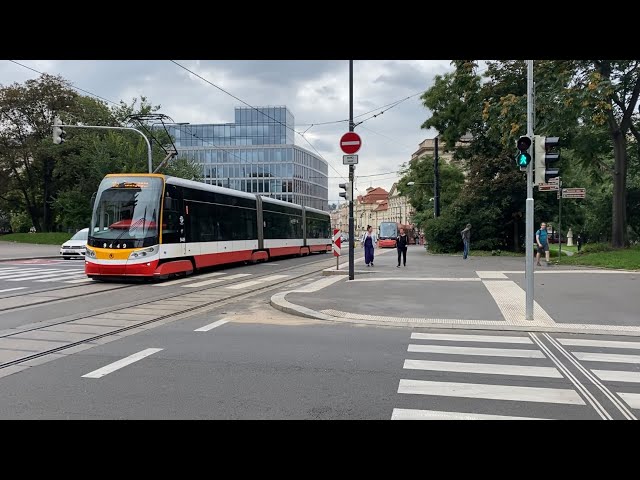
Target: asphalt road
column 242, row 359
column 252, row 362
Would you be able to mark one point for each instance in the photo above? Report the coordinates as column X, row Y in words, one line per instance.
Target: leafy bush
column 596, row 248
column 20, row 222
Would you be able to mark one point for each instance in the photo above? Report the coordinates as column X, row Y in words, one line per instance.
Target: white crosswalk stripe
column 622, row 376
column 76, row 275
column 205, row 280
column 41, row 274
column 448, row 386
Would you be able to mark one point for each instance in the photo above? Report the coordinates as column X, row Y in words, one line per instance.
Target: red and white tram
column 201, row 226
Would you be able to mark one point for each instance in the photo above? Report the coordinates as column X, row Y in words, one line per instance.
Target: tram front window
column 126, row 212
column 388, row 230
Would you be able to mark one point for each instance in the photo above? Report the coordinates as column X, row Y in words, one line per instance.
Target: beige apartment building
column 374, row 207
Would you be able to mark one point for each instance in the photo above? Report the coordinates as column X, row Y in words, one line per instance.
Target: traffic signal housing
column 347, row 191
column 546, row 155
column 523, row 157
column 58, row 132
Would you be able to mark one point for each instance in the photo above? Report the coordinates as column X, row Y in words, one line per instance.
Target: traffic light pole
column 436, row 180
column 560, row 220
column 529, row 203
column 119, row 128
column 351, row 229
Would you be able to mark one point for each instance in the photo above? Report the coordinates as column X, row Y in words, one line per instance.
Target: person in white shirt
column 369, row 241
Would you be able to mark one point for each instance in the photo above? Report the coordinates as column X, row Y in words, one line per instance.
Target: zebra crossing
column 43, row 274
column 613, row 365
column 75, row 275
column 206, row 280
column 463, row 376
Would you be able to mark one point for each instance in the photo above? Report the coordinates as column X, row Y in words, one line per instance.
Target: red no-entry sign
column 350, row 143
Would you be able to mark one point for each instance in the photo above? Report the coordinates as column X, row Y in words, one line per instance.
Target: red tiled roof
column 373, row 195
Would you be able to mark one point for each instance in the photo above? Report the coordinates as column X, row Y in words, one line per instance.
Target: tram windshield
column 126, row 212
column 388, row 230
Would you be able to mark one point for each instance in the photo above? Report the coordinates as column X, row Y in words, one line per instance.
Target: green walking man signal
column 523, row 157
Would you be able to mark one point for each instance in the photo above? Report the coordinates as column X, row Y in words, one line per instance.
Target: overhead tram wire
column 93, row 95
column 229, row 150
column 394, row 103
column 117, row 104
column 67, row 82
column 258, row 110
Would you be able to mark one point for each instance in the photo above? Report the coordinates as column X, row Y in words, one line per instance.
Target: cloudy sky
column 315, row 91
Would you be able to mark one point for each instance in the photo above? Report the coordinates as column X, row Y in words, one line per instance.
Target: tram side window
column 295, row 226
column 275, row 225
column 244, row 225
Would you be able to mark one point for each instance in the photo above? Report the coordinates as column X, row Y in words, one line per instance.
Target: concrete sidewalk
column 26, row 251
column 480, row 292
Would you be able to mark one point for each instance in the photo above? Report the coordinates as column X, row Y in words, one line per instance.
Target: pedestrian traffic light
column 58, row 132
column 347, row 191
column 523, row 157
column 546, row 154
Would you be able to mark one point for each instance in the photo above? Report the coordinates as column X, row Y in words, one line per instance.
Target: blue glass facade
column 256, row 154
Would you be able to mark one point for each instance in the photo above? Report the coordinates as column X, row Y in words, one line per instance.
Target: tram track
column 40, row 297
column 309, row 269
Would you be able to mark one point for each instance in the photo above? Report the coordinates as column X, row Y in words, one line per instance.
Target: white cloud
column 314, row 91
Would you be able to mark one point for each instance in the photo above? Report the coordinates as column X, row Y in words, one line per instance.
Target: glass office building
column 256, row 154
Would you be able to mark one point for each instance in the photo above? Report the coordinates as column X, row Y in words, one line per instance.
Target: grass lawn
column 626, row 258
column 53, row 238
column 553, row 247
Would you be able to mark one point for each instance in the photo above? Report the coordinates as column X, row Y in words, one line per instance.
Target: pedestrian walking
column 369, row 241
column 579, row 242
column 542, row 240
column 466, row 238
column 402, row 241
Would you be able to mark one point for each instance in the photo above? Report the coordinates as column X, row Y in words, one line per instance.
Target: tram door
column 174, row 221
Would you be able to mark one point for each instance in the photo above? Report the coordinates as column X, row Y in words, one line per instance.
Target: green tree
column 590, row 105
column 52, row 184
column 607, row 92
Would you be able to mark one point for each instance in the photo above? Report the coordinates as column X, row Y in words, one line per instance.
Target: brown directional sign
column 547, row 187
column 574, row 192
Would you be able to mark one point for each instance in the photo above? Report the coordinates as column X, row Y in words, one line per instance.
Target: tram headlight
column 145, row 252
column 89, row 253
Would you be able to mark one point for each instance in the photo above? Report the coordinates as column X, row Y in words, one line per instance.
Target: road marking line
column 211, row 326
column 491, row 392
column 619, row 405
column 216, row 280
column 607, row 357
column 188, row 279
column 417, row 279
column 251, row 283
column 11, row 289
column 32, row 275
column 471, row 338
column 202, row 284
column 21, row 273
column 490, row 368
column 510, row 299
column 63, row 278
column 82, row 280
column 585, row 342
column 597, row 406
column 632, row 399
column 617, row 376
column 582, row 272
column 36, row 277
column 490, row 274
column 112, row 367
column 414, row 414
column 490, row 352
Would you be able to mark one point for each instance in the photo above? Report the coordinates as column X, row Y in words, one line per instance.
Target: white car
column 75, row 247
